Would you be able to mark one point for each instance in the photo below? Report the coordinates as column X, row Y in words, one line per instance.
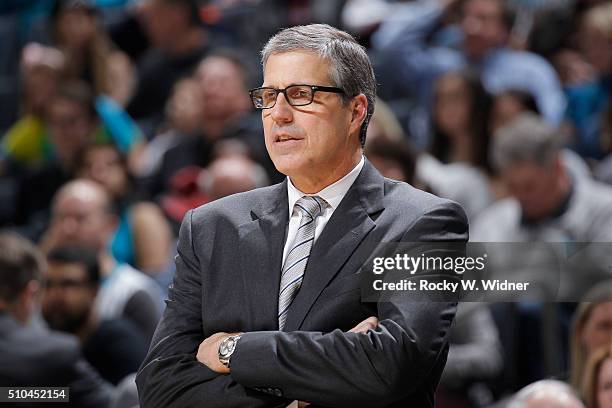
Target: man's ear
column 558, row 165
column 359, row 110
column 27, row 302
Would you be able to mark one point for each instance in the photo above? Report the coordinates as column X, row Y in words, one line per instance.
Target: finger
column 371, row 322
column 368, row 324
column 359, row 328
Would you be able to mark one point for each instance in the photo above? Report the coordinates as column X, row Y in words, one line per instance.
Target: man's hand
column 208, row 352
column 368, row 324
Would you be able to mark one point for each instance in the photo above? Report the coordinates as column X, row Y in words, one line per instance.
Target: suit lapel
column 260, row 252
column 348, row 226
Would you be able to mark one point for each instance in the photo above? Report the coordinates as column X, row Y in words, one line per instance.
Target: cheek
column 462, row 112
column 117, row 178
column 606, row 396
column 591, row 339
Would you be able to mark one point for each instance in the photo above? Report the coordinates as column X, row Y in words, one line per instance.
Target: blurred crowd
column 118, row 116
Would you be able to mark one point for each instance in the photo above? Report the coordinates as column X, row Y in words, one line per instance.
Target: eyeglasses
column 297, row 95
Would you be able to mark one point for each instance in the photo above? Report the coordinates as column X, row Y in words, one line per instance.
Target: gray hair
column 559, row 391
column 351, row 69
column 525, row 139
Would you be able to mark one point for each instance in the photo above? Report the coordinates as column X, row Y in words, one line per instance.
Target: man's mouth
column 285, row 138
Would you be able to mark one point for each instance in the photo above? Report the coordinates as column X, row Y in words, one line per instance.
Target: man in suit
column 267, row 287
column 31, row 356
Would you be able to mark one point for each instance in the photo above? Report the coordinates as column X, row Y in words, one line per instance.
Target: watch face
column 227, row 346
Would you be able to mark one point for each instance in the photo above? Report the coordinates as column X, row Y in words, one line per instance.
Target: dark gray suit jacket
column 36, row 357
column 228, row 276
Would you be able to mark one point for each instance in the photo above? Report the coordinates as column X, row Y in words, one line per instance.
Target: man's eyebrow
column 291, row 84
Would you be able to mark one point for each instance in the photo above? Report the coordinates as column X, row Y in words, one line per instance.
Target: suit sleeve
column 373, row 369
column 171, row 376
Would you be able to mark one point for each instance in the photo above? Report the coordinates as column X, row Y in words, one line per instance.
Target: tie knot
column 310, row 205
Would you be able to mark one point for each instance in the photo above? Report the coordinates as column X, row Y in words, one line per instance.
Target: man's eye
column 300, row 93
column 269, row 94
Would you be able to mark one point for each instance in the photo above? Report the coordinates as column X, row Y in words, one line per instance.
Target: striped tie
column 297, row 257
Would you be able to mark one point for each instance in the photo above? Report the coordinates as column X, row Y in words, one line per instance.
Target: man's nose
column 68, row 226
column 282, row 112
column 471, row 25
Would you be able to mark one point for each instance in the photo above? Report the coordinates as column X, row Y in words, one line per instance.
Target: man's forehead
column 486, row 6
column 531, row 173
column 66, row 268
column 295, row 67
column 216, row 64
column 85, row 203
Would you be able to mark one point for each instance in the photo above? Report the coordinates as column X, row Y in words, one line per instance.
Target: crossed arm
column 371, row 365
column 208, row 349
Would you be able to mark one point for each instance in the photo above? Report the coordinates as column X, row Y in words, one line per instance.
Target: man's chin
column 475, row 52
column 66, row 325
column 289, row 166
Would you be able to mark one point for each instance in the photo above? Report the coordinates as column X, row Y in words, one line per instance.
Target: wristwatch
column 226, row 349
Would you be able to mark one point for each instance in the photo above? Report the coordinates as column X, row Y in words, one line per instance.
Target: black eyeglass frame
column 314, row 88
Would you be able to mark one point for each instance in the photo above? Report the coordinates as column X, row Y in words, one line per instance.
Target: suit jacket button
column 278, row 392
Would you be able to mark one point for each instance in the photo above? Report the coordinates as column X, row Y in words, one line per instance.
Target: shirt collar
column 332, row 194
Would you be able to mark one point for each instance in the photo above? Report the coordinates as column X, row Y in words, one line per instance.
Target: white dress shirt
column 332, row 194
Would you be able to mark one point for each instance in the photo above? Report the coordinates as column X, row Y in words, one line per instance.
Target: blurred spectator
column 387, row 147
column 184, row 194
column 114, row 347
column 226, row 113
column 143, row 238
column 590, row 95
column 32, row 356
column 461, row 114
column 546, row 394
column 26, row 142
column 597, row 384
column 509, row 105
column 546, row 203
column 391, row 153
column 72, row 124
column 230, row 173
column 591, row 329
column 485, row 27
column 73, row 119
column 184, row 109
column 457, row 164
column 224, row 82
column 178, row 43
column 82, row 215
column 391, row 156
column 182, row 118
column 89, row 52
